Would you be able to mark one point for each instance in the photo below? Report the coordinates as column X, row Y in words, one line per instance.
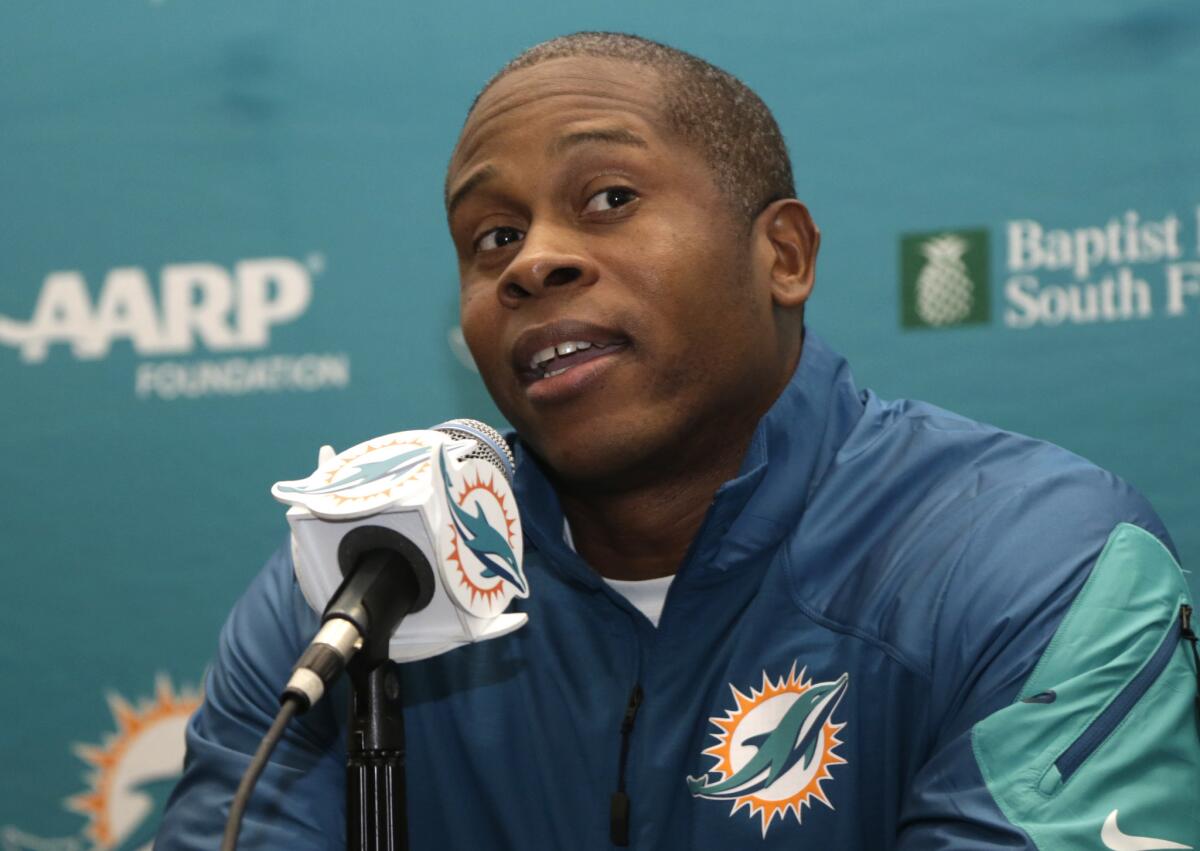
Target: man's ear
column 788, row 242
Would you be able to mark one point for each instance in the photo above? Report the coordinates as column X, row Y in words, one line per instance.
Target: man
column 886, row 627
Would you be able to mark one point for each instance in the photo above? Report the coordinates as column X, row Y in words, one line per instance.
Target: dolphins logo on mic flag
column 476, row 532
column 775, row 747
column 389, row 469
column 483, row 561
column 364, row 478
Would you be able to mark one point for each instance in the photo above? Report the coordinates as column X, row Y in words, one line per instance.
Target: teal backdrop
column 222, row 245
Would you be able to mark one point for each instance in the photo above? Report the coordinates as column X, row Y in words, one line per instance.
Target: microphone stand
column 376, row 817
column 390, row 579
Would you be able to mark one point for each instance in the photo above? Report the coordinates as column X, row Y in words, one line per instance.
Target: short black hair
column 709, row 108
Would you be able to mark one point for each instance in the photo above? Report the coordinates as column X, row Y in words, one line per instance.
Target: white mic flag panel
column 445, row 490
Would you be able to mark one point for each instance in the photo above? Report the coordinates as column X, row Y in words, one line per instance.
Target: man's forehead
column 573, row 93
column 622, row 80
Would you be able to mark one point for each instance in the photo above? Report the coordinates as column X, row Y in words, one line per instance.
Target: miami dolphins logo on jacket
column 775, row 747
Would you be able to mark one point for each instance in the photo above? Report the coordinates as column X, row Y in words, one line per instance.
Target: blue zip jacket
column 896, row 629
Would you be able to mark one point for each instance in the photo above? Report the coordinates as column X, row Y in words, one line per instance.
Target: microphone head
column 490, row 445
column 439, row 493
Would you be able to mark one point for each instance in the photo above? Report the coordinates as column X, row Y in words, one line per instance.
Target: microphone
column 416, row 526
column 421, row 523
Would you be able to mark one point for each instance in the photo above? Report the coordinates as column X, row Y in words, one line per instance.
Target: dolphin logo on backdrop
column 775, row 747
column 132, row 772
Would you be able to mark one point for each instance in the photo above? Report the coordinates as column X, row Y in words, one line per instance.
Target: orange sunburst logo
column 775, row 747
column 147, row 746
column 485, row 497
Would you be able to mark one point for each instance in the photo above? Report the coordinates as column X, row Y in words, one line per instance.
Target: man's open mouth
column 555, row 360
column 550, row 350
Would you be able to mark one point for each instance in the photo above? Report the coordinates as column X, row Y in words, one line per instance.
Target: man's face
column 609, row 294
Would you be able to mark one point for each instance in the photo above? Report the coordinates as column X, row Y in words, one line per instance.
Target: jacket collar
column 791, row 449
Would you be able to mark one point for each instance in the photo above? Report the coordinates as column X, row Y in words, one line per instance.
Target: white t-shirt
column 646, row 595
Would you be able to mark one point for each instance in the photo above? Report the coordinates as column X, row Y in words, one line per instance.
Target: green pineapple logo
column 944, row 279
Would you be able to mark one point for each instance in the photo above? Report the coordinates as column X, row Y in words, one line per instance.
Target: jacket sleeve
column 298, row 803
column 1064, row 688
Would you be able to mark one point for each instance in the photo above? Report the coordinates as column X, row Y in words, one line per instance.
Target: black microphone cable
column 292, row 705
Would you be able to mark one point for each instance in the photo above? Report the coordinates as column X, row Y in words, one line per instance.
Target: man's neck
column 644, row 533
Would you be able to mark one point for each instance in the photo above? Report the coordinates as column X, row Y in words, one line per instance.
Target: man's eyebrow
column 469, row 185
column 610, row 135
column 607, row 135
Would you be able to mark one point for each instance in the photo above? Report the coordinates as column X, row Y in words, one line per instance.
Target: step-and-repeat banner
column 222, row 244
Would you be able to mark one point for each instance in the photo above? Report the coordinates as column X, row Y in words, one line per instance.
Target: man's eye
column 498, row 238
column 610, row 199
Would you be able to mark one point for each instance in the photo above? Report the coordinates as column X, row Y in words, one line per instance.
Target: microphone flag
column 447, row 490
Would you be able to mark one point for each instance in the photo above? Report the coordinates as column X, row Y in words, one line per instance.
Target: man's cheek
column 474, row 323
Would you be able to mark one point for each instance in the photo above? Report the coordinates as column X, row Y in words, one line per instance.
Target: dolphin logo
column 793, row 740
column 481, row 538
column 157, row 790
column 393, row 467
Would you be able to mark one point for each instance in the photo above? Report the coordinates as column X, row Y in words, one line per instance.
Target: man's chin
column 592, row 458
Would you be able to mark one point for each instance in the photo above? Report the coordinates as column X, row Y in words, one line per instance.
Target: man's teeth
column 571, row 347
column 540, row 359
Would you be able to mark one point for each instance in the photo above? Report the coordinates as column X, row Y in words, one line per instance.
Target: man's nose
column 550, row 259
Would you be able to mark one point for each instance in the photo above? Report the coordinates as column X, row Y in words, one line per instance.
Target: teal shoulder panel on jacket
column 1101, row 749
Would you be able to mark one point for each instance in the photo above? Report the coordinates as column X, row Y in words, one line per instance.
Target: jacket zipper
column 618, row 814
column 1189, row 636
column 1102, row 726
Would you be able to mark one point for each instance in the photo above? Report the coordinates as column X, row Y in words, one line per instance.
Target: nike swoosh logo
column 1113, row 838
